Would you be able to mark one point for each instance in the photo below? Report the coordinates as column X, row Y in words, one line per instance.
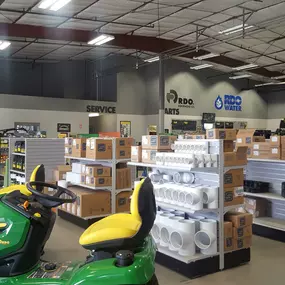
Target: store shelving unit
column 49, row 152
column 213, row 176
column 4, row 152
column 272, row 171
column 106, row 162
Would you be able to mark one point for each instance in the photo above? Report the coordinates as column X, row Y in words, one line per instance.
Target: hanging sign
column 229, row 103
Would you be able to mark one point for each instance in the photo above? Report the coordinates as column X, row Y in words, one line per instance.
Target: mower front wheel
column 153, row 281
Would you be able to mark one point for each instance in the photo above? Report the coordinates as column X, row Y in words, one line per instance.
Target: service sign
column 229, row 103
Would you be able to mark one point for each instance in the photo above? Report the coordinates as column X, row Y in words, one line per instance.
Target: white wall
column 48, row 119
column 273, row 124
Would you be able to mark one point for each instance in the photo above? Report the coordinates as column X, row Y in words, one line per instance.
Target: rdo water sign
column 229, row 103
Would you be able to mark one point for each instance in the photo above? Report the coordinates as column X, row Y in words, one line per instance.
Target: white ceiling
column 168, row 19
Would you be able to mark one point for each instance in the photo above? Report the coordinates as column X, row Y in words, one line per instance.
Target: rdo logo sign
column 229, row 103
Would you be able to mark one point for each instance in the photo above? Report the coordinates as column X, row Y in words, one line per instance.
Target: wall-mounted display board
column 184, row 125
column 209, row 118
column 219, row 125
column 229, row 125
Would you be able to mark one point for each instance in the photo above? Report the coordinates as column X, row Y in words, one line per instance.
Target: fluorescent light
column 4, row 45
column 280, row 83
column 102, row 39
column 235, row 29
column 240, row 76
column 278, row 77
column 264, row 84
column 156, row 58
column 247, row 66
column 94, row 115
column 202, row 66
column 206, row 56
column 59, row 4
column 53, row 5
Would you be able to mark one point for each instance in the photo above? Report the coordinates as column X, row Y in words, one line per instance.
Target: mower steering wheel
column 56, row 197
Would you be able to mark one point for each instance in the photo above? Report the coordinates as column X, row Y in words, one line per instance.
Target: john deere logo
column 3, row 242
column 172, row 96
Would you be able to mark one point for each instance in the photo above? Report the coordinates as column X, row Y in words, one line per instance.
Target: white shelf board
column 109, row 188
column 269, row 222
column 266, row 160
column 86, row 218
column 185, row 259
column 17, row 172
column 228, row 168
column 118, row 191
column 123, row 160
column 175, row 168
column 88, row 159
column 20, row 154
column 270, row 196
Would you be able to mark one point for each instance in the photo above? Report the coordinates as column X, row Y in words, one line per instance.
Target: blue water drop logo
column 219, row 103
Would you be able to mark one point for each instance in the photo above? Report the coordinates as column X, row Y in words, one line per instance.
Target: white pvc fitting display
column 167, row 178
column 164, row 236
column 157, row 217
column 179, row 214
column 164, row 218
column 194, row 199
column 200, row 160
column 182, row 239
column 154, row 177
column 177, row 177
column 188, row 178
column 206, row 238
column 175, row 196
column 168, row 195
column 182, row 198
column 161, row 193
column 210, row 197
column 155, row 233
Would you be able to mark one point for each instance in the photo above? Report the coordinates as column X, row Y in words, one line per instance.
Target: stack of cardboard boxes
column 79, row 147
column 233, row 179
column 68, row 146
column 150, row 146
column 258, row 207
column 237, row 231
column 282, row 148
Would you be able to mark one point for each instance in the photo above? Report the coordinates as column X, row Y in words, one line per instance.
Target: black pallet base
column 268, row 233
column 77, row 220
column 204, row 266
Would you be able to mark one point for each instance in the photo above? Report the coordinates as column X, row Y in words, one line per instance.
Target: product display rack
column 272, row 171
column 49, row 152
column 210, row 176
column 85, row 222
column 4, row 154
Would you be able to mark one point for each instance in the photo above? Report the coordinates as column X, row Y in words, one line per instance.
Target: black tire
column 153, row 281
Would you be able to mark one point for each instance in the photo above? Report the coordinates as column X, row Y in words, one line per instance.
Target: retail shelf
column 267, row 160
column 109, row 188
column 269, row 222
column 118, row 191
column 185, row 259
column 122, row 160
column 86, row 218
column 88, row 159
column 233, row 207
column 18, row 153
column 228, row 168
column 17, row 172
column 176, row 168
column 270, row 196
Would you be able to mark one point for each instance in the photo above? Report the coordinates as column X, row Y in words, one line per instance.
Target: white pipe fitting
column 164, row 237
column 194, row 198
column 206, row 238
column 181, row 198
column 210, row 197
column 164, row 218
column 155, row 233
column 175, row 196
column 154, row 177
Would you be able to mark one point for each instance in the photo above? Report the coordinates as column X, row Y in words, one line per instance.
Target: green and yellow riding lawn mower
column 121, row 252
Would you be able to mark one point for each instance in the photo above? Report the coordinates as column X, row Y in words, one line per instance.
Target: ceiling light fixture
column 202, row 66
column 247, row 66
column 102, row 39
column 91, row 115
column 53, row 5
column 240, row 76
column 278, row 77
column 264, row 84
column 153, row 59
column 206, row 56
column 4, row 45
column 236, row 29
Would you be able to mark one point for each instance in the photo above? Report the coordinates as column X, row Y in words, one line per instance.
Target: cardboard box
column 275, row 140
column 234, row 178
column 239, row 219
column 124, row 142
column 50, row 191
column 98, row 171
column 261, row 146
column 123, row 152
column 158, row 142
column 231, row 197
column 98, row 181
column 239, row 157
column 242, row 243
column 228, row 244
column 258, row 207
column 149, row 156
column 246, row 137
column 68, row 150
column 68, row 142
column 79, row 147
column 195, row 137
column 99, row 148
column 262, row 154
column 83, row 179
column 242, row 232
column 136, row 153
column 249, row 151
column 123, row 201
column 91, row 203
column 76, row 167
column 123, row 179
column 228, row 229
column 228, row 146
column 275, row 153
column 60, row 172
column 229, row 134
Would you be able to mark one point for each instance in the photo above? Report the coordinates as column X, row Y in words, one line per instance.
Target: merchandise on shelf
column 124, row 179
column 60, row 172
column 155, row 142
column 136, row 154
column 227, row 134
column 79, row 147
column 258, row 207
column 99, row 148
column 123, row 201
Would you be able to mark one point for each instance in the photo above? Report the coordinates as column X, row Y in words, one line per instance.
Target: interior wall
column 103, row 123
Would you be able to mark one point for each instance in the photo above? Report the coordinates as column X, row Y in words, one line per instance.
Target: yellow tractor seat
column 124, row 231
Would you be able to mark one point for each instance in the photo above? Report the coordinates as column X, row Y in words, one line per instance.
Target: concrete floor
column 266, row 266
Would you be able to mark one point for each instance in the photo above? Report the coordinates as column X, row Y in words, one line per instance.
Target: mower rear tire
column 153, row 281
